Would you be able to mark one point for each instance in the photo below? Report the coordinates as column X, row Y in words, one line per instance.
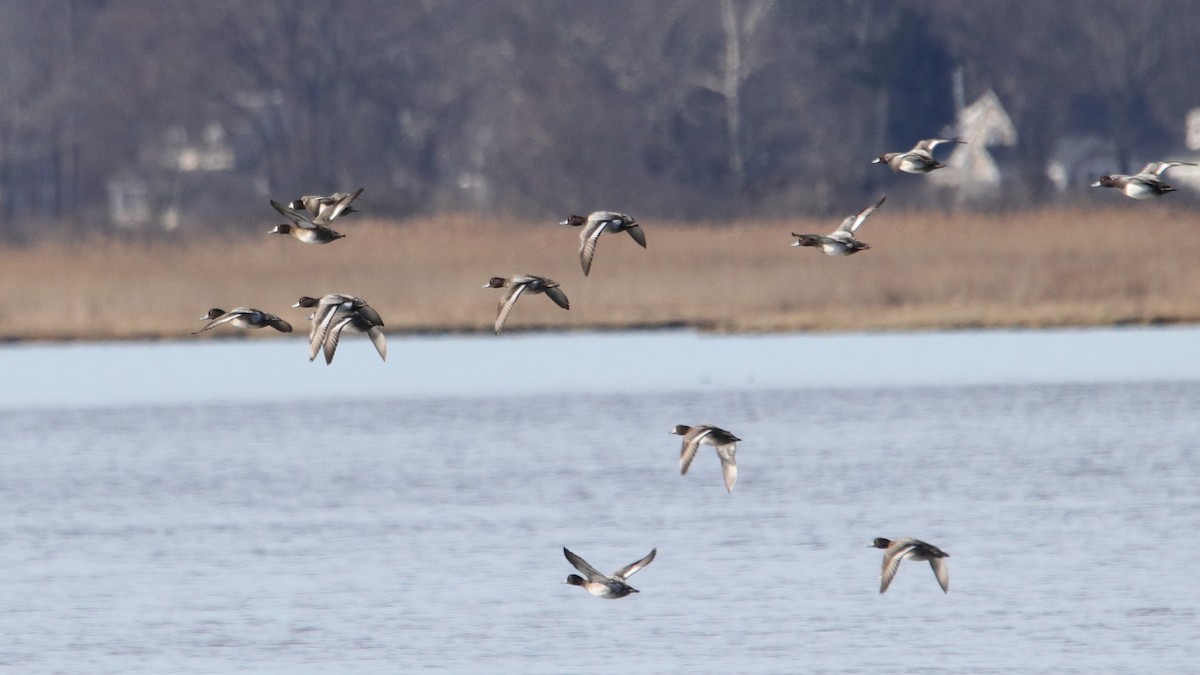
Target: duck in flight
column 519, row 284
column 1145, row 184
column 317, row 205
column 312, row 226
column 918, row 160
column 338, row 312
column 723, row 441
column 609, row 587
column 907, row 548
column 596, row 224
column 243, row 317
column 841, row 241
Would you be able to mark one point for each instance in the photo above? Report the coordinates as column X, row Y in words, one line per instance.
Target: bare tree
column 1129, row 57
column 679, row 108
column 39, row 122
column 739, row 28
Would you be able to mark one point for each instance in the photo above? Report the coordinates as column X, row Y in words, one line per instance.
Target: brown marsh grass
column 943, row 270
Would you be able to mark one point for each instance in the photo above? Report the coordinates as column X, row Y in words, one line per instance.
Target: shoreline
column 601, row 328
column 944, row 271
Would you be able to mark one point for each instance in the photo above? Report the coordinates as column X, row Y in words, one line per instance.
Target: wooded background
column 680, row 109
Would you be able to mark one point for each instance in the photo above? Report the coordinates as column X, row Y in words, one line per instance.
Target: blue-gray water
column 229, row 507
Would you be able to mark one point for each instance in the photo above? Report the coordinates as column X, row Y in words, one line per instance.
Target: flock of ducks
column 310, row 220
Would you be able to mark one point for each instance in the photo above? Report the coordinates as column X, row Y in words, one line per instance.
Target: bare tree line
column 672, row 108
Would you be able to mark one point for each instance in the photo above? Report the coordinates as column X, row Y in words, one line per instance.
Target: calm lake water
column 226, row 506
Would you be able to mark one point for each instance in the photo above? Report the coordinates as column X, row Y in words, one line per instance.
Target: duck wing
column 1157, row 168
column 632, row 569
column 582, row 565
column 728, row 455
column 334, row 336
column 807, row 239
column 927, row 145
column 224, row 318
column 364, row 319
column 608, row 217
column 368, row 314
column 891, row 562
column 942, row 572
column 555, row 293
column 635, row 231
column 330, row 308
column 277, row 323
column 380, row 342
column 588, row 238
column 298, row 218
column 507, row 302
column 336, row 209
column 691, row 443
column 1150, row 180
column 323, row 317
column 852, row 223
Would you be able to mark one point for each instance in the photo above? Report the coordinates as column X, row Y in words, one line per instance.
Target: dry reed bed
column 1043, row 268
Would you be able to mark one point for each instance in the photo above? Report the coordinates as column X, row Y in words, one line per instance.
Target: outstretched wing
column 1157, row 168
column 322, row 319
column 638, row 235
column 334, row 210
column 298, row 218
column 941, row 572
column 728, row 455
column 368, row 314
column 357, row 322
column 224, row 318
column 334, row 336
column 277, row 323
column 632, row 569
column 891, row 563
column 583, row 566
column 555, row 293
column 380, row 342
column 588, row 238
column 507, row 302
column 852, row 223
column 691, row 443
column 927, row 145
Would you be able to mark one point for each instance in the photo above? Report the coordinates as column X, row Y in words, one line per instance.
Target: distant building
column 129, row 202
column 970, row 169
column 1077, row 161
column 137, row 201
column 211, row 152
